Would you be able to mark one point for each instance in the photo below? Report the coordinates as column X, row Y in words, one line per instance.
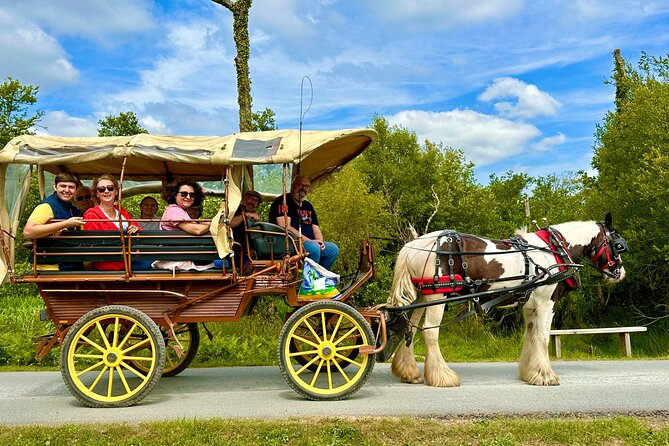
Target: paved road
column 261, row 392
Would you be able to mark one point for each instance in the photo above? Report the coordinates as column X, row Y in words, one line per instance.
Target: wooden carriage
column 120, row 331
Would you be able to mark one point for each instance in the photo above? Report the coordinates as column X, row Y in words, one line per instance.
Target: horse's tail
column 403, row 291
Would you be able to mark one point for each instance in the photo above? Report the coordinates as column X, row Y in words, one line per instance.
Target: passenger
column 180, row 196
column 299, row 212
column 106, row 192
column 57, row 206
column 247, row 209
column 148, row 208
column 83, row 198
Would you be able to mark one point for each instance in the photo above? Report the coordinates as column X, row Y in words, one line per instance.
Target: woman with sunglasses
column 181, row 196
column 83, row 198
column 108, row 216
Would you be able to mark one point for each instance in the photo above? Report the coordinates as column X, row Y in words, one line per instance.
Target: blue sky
column 517, row 85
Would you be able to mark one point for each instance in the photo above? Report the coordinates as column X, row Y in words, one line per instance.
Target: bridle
column 607, row 251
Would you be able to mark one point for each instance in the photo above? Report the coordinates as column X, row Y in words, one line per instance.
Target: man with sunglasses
column 57, row 206
column 299, row 215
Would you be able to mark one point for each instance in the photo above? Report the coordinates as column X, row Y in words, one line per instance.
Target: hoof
column 450, row 379
column 418, row 380
column 542, row 379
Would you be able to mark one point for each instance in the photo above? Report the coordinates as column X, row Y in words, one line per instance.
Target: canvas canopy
column 147, row 157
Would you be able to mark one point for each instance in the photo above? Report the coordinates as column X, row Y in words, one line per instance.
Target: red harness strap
column 544, row 235
column 444, row 285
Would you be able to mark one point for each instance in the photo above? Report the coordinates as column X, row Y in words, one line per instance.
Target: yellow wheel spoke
column 92, row 344
column 127, row 336
column 306, row 341
column 316, row 373
column 303, row 353
column 345, row 335
column 138, row 358
column 313, row 332
column 125, row 383
column 329, row 375
column 341, row 371
column 93, row 367
column 97, row 379
column 347, row 359
column 135, row 346
column 336, row 328
column 116, row 329
column 87, row 356
column 127, row 366
column 110, row 384
column 324, row 326
column 98, row 325
column 306, row 366
column 349, row 347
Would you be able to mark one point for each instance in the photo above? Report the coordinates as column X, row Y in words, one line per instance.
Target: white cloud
column 154, row 125
column 103, row 21
column 445, row 13
column 530, row 101
column 31, row 56
column 483, row 138
column 59, row 123
column 547, row 144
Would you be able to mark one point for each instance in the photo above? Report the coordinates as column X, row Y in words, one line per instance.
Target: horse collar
column 556, row 243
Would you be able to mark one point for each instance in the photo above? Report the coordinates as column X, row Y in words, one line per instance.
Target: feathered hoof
column 409, row 375
column 542, row 378
column 446, row 378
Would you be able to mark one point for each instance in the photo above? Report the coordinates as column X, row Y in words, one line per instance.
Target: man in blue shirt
column 301, row 219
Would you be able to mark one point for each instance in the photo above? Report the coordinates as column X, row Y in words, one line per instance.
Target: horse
column 533, row 269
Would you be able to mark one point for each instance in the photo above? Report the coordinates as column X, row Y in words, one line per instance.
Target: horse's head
column 608, row 245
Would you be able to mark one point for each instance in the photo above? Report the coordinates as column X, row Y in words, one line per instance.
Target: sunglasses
column 110, row 188
column 185, row 194
column 84, row 197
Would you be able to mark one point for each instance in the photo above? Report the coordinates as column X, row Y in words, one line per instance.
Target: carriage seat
column 96, row 246
column 269, row 240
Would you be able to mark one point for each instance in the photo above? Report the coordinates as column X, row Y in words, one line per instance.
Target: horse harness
column 449, row 245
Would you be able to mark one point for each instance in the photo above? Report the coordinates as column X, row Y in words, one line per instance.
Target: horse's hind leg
column 437, row 372
column 534, row 366
column 404, row 363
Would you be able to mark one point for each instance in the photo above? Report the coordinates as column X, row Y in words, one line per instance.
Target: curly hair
column 171, row 190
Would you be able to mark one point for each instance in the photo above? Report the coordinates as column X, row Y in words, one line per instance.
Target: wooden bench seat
column 96, row 246
column 624, row 332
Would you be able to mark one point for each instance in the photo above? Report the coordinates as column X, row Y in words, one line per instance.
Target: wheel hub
column 113, row 357
column 327, row 351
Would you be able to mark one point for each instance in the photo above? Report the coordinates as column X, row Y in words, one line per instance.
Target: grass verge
column 405, row 431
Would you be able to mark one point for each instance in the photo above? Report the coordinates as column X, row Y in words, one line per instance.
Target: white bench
column 624, row 336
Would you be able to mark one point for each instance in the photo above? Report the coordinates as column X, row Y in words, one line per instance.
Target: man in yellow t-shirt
column 57, row 206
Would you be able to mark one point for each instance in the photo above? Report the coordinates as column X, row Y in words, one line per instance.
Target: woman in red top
column 107, row 214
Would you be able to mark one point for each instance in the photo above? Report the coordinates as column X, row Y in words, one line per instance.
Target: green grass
column 403, row 431
column 254, row 339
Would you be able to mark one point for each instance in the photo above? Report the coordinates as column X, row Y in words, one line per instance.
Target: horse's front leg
column 404, row 363
column 437, row 372
column 534, row 366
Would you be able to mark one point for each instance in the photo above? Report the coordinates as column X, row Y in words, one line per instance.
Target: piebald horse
column 535, row 266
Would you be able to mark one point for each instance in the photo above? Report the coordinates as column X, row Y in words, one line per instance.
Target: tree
column 125, row 124
column 428, row 187
column 15, row 100
column 263, row 120
column 631, row 156
column 240, row 34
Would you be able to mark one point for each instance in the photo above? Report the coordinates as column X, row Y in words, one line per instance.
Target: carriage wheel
column 98, row 353
column 189, row 337
column 297, row 345
column 334, row 331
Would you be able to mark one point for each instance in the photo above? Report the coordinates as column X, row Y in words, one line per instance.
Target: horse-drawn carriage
column 120, row 331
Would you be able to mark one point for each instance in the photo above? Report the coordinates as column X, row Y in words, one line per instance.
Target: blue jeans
column 326, row 257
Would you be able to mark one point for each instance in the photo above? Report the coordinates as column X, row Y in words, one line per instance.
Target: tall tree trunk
column 240, row 33
column 620, row 77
